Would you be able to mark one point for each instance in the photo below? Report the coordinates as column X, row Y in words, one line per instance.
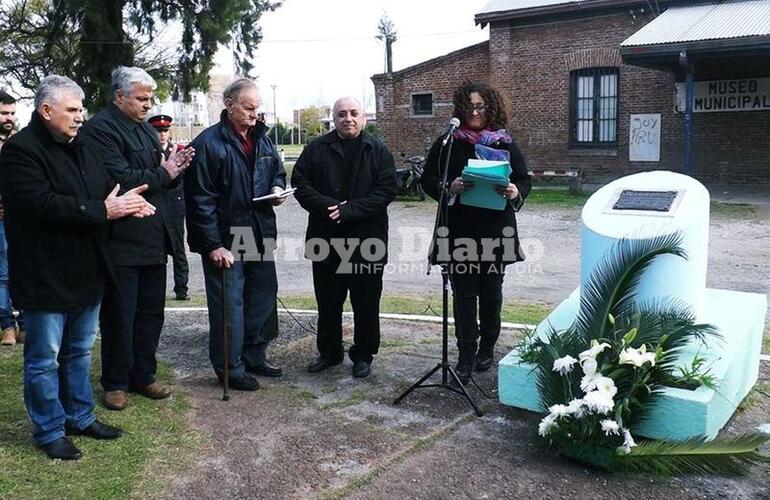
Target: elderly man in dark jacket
column 132, row 315
column 56, row 211
column 346, row 180
column 236, row 163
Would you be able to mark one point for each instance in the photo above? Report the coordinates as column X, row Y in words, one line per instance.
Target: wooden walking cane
column 226, row 353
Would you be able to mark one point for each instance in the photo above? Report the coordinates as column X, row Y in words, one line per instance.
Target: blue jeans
column 6, row 309
column 57, row 358
column 251, row 292
column 6, row 313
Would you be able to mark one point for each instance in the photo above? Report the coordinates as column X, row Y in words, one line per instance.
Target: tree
column 311, row 122
column 87, row 39
column 387, row 33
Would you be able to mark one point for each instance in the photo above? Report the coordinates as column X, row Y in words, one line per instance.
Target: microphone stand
column 442, row 221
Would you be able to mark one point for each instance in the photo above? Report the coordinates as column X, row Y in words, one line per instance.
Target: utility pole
column 275, row 116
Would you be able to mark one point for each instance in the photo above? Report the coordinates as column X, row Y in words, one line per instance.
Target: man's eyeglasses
column 479, row 108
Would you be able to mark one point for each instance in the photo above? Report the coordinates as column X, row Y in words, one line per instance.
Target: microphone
column 453, row 124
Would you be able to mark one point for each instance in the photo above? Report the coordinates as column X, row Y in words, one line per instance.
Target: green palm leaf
column 726, row 456
column 611, row 288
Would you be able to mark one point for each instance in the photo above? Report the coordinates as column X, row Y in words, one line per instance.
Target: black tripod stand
column 442, row 221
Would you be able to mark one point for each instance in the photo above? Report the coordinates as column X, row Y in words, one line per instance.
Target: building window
column 594, row 107
column 422, row 104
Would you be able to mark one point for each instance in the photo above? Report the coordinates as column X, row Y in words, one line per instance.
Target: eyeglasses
column 479, row 108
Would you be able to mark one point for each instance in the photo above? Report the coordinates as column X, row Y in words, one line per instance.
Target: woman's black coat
column 472, row 222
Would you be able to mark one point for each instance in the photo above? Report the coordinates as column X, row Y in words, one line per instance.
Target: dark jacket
column 131, row 154
column 472, row 222
column 220, row 185
column 318, row 177
column 176, row 193
column 55, row 221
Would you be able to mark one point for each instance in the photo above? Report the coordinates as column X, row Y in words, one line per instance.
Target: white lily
column 564, row 365
column 595, row 349
column 610, row 427
column 628, row 443
column 599, row 402
column 589, row 366
column 636, row 357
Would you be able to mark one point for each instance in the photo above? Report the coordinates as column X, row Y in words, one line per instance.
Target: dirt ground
column 328, row 435
column 739, row 249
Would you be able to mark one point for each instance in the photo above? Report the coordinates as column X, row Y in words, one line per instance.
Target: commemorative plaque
column 652, row 201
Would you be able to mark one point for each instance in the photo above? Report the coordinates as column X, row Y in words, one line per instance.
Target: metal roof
column 508, row 5
column 708, row 21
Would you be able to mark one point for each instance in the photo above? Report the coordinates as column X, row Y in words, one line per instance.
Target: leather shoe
column 361, row 369
column 62, row 448
column 483, row 363
column 265, row 370
column 153, row 391
column 115, row 400
column 463, row 372
column 322, row 363
column 182, row 296
column 245, row 382
column 96, row 430
column 9, row 336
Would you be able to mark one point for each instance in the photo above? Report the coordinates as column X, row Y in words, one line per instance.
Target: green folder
column 485, row 175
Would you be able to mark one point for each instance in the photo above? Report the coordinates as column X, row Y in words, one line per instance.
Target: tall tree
column 86, row 39
column 387, row 33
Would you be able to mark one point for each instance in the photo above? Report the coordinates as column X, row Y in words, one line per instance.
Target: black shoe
column 483, row 363
column 182, row 296
column 96, row 430
column 245, row 382
column 322, row 363
column 265, row 370
column 361, row 369
column 62, row 448
column 463, row 372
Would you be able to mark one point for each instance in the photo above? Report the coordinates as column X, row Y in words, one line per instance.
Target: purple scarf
column 482, row 139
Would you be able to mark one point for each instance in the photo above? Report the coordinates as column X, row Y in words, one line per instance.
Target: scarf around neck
column 482, row 139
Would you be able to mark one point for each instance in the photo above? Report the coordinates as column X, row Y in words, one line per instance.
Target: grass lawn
column 430, row 304
column 735, row 210
column 155, row 436
column 548, row 197
column 558, row 197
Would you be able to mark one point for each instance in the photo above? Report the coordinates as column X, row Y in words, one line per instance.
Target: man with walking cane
column 236, row 163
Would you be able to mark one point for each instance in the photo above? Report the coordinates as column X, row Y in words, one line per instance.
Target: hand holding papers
column 276, row 196
column 485, row 175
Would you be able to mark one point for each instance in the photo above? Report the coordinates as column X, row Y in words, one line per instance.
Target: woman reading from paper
column 476, row 267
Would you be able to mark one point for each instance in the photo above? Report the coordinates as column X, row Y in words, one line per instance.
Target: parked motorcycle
column 408, row 177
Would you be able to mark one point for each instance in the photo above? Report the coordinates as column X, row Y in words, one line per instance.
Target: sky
column 316, row 51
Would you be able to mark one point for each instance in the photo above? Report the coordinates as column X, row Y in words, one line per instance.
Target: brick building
column 593, row 84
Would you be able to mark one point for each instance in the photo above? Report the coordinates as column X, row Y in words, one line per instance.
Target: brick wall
column 411, row 135
column 530, row 64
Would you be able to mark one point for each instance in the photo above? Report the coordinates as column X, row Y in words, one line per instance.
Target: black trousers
column 131, row 320
column 178, row 255
column 471, row 284
column 331, row 290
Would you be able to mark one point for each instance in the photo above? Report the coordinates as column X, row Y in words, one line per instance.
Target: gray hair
column 234, row 89
column 53, row 86
column 124, row 78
